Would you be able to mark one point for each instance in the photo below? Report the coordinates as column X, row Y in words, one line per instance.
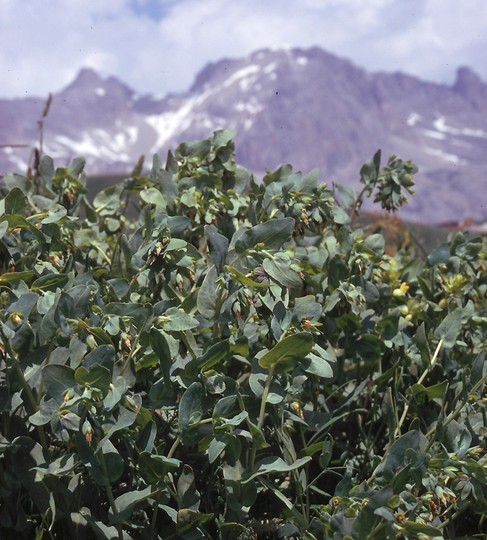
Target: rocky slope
column 300, row 106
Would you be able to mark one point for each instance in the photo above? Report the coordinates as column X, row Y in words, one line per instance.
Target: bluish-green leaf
column 270, row 235
column 190, row 407
column 275, row 465
column 96, row 376
column 50, row 282
column 218, row 245
column 57, row 379
column 15, row 201
column 287, row 352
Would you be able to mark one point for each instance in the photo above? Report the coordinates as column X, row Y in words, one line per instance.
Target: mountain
column 306, row 107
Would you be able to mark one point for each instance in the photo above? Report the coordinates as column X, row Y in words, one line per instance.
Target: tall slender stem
column 261, row 418
column 108, row 491
column 420, row 380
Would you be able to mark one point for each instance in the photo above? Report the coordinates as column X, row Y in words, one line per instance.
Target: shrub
column 197, row 355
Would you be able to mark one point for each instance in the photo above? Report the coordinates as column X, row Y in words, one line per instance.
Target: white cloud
column 159, row 45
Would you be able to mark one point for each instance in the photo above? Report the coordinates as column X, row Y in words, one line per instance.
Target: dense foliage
column 198, row 355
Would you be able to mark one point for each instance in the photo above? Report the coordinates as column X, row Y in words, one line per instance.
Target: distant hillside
column 303, row 106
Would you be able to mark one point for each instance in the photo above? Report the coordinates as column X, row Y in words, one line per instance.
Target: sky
column 158, row 46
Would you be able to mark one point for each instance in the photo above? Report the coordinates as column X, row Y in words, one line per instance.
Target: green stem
column 174, row 447
column 218, row 307
column 357, row 201
column 25, row 386
column 265, row 393
column 109, row 493
column 131, row 354
column 153, row 522
column 185, row 338
column 458, row 410
column 260, row 421
column 306, row 469
column 420, row 380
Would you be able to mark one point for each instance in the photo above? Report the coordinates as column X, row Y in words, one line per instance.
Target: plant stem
column 109, row 493
column 458, row 410
column 133, row 350
column 265, row 393
column 218, row 307
column 174, row 447
column 260, row 420
column 25, row 386
column 420, row 380
column 355, row 204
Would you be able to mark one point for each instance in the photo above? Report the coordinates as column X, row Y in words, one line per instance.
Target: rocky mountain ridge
column 306, row 107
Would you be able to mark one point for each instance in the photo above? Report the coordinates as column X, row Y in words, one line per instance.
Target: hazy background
column 157, row 46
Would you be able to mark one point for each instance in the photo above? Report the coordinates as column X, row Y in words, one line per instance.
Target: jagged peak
column 467, row 79
column 89, row 79
column 86, row 77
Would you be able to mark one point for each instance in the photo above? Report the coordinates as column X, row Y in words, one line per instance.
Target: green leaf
column 17, row 181
column 225, row 407
column 271, row 234
column 422, row 393
column 96, row 376
column 414, row 528
column 243, row 279
column 218, row 245
column 154, row 196
column 207, row 294
column 440, row 255
column 55, row 213
column 287, row 352
column 160, row 346
column 370, row 170
column 450, row 327
column 317, row 365
column 19, row 222
column 214, row 355
column 275, row 465
column 14, row 277
column 177, row 320
column 15, row 201
column 154, row 468
column 50, row 282
column 107, row 202
column 188, row 495
column 141, row 314
column 188, row 521
column 375, row 243
column 60, row 466
column 57, row 379
column 103, row 356
column 326, row 452
column 395, row 456
column 76, row 167
column 125, row 419
column 127, row 503
column 279, row 269
column 190, row 407
column 215, row 449
column 122, row 259
column 113, row 462
column 257, row 383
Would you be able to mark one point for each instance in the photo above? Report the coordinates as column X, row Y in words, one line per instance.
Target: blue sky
column 158, row 46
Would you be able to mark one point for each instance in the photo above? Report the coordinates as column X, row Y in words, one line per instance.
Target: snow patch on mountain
column 434, row 134
column 413, row 119
column 446, row 156
column 440, row 125
column 245, row 76
column 334, row 116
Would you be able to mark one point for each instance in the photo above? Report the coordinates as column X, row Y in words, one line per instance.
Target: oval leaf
column 288, row 352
